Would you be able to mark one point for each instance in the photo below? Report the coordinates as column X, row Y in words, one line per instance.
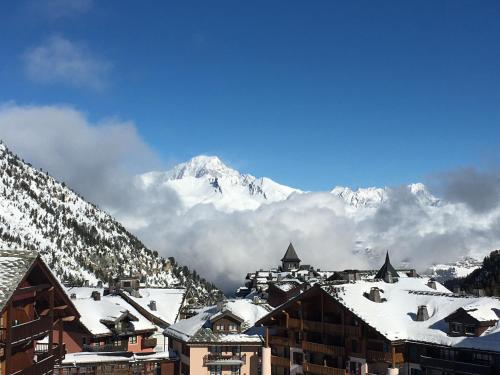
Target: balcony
column 376, row 356
column 279, row 340
column 315, row 326
column 148, row 342
column 322, row 348
column 280, row 361
column 224, row 359
column 122, row 347
column 45, row 361
column 455, row 365
column 45, row 366
column 322, row 370
column 24, row 332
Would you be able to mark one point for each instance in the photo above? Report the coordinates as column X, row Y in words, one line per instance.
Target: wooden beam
column 8, row 343
column 51, row 315
column 35, row 288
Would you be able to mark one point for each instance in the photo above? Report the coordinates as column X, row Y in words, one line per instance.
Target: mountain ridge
column 80, row 242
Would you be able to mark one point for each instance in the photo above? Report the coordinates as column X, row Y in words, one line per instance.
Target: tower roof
column 290, row 255
column 387, row 268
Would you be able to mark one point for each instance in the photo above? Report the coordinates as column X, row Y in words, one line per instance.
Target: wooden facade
column 317, row 334
column 37, row 308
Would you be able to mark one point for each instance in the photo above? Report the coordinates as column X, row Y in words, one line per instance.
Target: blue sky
column 311, row 94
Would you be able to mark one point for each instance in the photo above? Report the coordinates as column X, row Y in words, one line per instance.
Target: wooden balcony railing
column 314, row 326
column 376, row 356
column 24, row 332
column 44, row 366
column 280, row 361
column 123, row 347
column 224, row 359
column 279, row 340
column 322, row 370
column 322, row 348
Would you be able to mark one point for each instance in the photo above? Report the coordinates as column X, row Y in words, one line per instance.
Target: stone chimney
column 152, row 305
column 422, row 313
column 96, row 296
column 73, row 296
column 432, row 284
column 375, row 295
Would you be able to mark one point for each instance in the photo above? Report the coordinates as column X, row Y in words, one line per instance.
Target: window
column 117, row 342
column 84, row 340
column 455, row 327
column 219, row 327
column 132, row 339
column 354, row 346
column 482, row 358
column 236, row 350
column 235, row 370
column 298, row 358
column 233, row 327
column 215, row 370
column 470, row 330
column 215, row 349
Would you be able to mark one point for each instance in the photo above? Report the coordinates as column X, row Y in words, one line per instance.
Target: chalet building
column 112, row 335
column 33, row 307
column 219, row 340
column 391, row 324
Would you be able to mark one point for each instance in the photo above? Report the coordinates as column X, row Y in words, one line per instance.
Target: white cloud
column 59, row 60
column 100, row 160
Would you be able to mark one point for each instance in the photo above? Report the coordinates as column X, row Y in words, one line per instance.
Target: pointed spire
column 290, row 255
column 387, row 270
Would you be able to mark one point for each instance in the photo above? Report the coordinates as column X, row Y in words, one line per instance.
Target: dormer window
column 455, row 327
column 470, row 330
column 232, row 327
column 219, row 327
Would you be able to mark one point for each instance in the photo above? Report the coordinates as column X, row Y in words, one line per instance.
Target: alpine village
column 148, row 315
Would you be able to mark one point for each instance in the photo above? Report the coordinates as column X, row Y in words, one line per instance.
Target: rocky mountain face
column 80, row 242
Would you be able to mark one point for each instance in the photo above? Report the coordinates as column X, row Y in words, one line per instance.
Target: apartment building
column 219, row 340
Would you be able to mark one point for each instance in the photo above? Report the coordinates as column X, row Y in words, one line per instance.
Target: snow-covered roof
column 168, row 302
column 109, row 308
column 197, row 328
column 396, row 317
column 82, row 358
column 13, row 267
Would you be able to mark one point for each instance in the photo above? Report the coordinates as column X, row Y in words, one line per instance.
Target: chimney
column 99, row 284
column 96, row 296
column 422, row 313
column 388, row 278
column 73, row 296
column 152, row 305
column 375, row 294
column 431, row 284
column 221, row 305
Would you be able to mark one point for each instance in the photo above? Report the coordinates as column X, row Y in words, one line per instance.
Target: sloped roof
column 109, row 309
column 396, row 320
column 387, row 268
column 197, row 328
column 290, row 255
column 14, row 264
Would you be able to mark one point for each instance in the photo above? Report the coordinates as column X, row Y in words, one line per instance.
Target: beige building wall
column 197, row 353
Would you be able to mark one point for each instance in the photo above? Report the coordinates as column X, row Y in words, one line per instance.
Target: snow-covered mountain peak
column 200, row 166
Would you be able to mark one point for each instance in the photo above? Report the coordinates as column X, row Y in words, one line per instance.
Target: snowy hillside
column 206, row 179
column 79, row 241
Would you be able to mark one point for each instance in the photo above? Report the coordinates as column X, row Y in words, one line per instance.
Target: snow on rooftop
column 91, row 357
column 108, row 308
column 13, row 267
column 168, row 302
column 243, row 308
column 396, row 317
